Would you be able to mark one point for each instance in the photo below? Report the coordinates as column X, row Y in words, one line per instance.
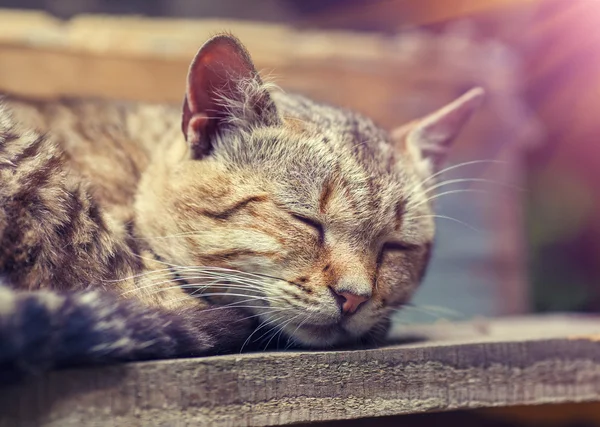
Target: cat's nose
column 348, row 301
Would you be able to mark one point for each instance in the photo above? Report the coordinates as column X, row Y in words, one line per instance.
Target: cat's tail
column 42, row 330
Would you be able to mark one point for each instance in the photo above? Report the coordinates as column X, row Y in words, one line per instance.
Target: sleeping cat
column 133, row 232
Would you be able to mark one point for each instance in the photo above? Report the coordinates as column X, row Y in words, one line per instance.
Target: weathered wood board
column 513, row 361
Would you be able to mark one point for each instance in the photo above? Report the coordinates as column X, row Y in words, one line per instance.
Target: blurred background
column 527, row 241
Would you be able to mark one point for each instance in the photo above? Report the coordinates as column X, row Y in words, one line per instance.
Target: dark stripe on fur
column 52, row 233
column 227, row 213
column 425, row 262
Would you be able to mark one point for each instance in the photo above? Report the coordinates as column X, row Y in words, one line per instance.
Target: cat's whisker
column 233, row 304
column 290, row 339
column 236, row 305
column 137, row 276
column 184, row 279
column 198, row 290
column 222, row 286
column 151, row 285
column 360, row 144
column 170, row 277
column 280, row 333
column 213, row 294
column 461, row 165
column 233, row 278
column 207, row 272
column 216, row 285
column 259, row 275
column 449, row 218
column 216, row 271
column 266, row 334
column 270, row 310
column 208, row 286
column 481, row 180
column 379, row 333
column 280, row 330
column 163, row 271
column 420, row 186
column 230, row 294
column 169, row 236
column 229, row 278
column 258, row 328
column 199, row 274
column 445, row 193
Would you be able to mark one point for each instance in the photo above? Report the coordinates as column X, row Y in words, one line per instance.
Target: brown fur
column 297, row 200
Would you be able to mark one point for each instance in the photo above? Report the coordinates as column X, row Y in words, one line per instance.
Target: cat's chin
column 338, row 335
column 320, row 336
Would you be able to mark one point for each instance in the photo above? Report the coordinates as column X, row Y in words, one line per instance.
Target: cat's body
column 67, row 239
column 269, row 209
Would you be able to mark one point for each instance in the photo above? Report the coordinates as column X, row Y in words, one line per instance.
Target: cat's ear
column 223, row 91
column 428, row 139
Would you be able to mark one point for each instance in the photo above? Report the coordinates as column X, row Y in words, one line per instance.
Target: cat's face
column 321, row 227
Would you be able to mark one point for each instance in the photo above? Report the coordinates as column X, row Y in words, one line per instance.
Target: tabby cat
column 133, row 232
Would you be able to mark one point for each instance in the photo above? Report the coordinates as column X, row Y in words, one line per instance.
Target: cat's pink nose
column 350, row 302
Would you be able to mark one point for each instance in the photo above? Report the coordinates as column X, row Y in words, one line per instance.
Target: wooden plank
column 514, row 361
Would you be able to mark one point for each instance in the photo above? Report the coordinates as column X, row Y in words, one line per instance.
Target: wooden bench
column 483, row 364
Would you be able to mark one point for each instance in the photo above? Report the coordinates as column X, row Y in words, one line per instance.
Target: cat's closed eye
column 312, row 223
column 394, row 247
column 397, row 247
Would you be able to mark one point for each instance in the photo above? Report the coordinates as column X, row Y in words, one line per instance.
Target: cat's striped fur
column 125, row 238
column 63, row 255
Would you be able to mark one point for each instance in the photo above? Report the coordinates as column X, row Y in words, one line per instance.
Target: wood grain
column 518, row 361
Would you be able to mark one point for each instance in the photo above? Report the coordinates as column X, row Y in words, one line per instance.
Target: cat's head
column 311, row 216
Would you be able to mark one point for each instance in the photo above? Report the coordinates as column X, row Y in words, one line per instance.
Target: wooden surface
column 519, row 361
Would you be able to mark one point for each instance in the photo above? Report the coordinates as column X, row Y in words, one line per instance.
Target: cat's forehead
column 341, row 128
column 328, row 119
column 341, row 170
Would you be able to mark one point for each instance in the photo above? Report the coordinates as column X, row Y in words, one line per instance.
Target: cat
column 135, row 232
